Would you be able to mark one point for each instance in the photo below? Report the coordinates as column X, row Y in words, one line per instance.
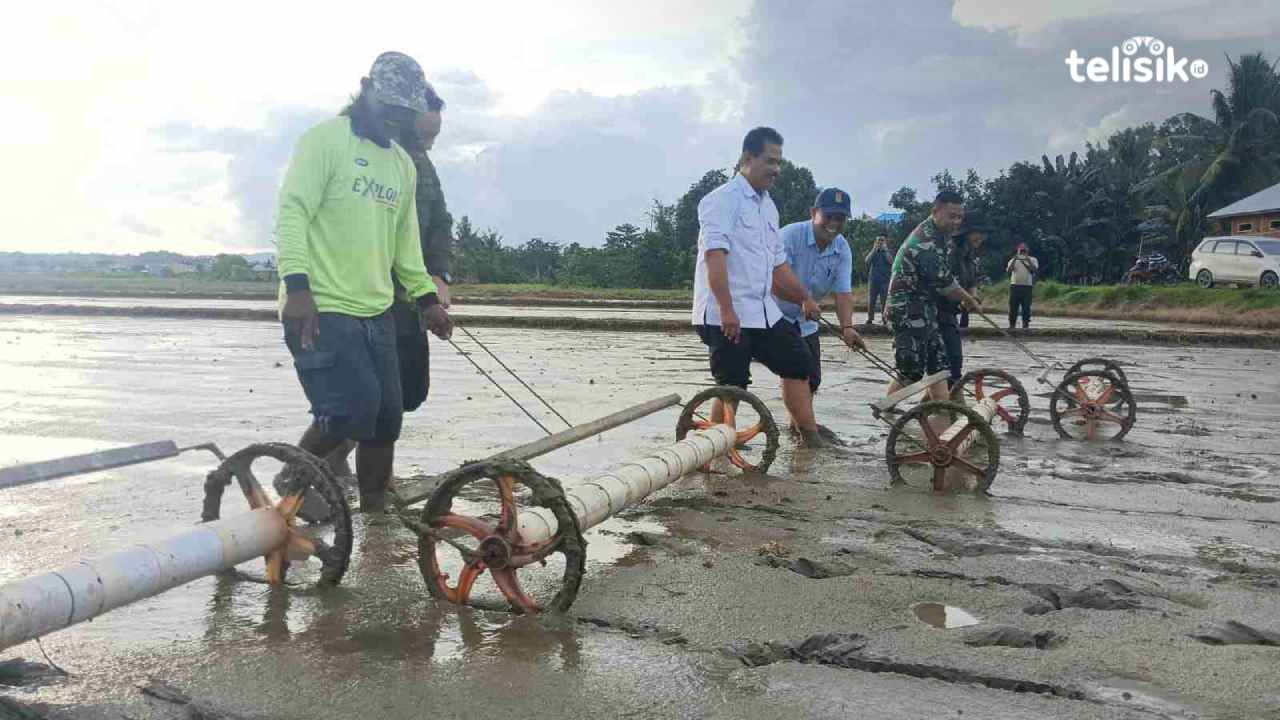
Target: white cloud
column 564, row 118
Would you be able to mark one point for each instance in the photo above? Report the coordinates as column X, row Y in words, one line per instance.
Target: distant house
column 1258, row 214
column 890, row 217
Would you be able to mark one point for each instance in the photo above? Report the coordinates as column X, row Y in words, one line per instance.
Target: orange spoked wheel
column 1013, row 405
column 471, row 526
column 757, row 443
column 942, row 446
column 1093, row 405
column 1099, row 363
column 315, row 553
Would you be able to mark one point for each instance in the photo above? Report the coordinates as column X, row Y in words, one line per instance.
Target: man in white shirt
column 740, row 260
column 1022, row 269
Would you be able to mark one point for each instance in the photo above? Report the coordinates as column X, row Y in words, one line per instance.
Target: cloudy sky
column 166, row 125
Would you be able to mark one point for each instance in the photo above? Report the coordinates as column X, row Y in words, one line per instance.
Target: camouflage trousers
column 917, row 346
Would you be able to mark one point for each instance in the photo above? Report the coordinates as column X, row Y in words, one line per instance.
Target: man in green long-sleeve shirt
column 347, row 222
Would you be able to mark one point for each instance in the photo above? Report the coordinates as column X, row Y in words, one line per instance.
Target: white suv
column 1241, row 259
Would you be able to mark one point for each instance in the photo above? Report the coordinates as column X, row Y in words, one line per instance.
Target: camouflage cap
column 398, row 80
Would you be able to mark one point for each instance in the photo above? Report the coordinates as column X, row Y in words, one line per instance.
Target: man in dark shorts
column 740, row 260
column 963, row 258
column 922, row 275
column 435, row 232
column 821, row 258
column 347, row 222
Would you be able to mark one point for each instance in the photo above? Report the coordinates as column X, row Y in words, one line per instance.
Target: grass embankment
column 131, row 285
column 1186, row 303
column 1238, row 307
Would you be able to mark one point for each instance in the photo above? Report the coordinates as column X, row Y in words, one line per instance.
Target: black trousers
column 951, row 346
column 414, row 353
column 1020, row 302
column 877, row 296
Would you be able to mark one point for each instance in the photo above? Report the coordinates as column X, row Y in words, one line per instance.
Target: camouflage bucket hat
column 398, row 80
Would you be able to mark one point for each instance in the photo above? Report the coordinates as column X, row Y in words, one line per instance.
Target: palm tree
column 1234, row 155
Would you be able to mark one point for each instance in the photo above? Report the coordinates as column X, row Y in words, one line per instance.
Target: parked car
column 1240, row 259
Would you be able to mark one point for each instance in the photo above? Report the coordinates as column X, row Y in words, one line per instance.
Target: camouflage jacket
column 435, row 224
column 921, row 274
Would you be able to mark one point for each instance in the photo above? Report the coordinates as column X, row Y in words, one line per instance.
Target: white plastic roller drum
column 39, row 605
column 595, row 500
column 986, row 409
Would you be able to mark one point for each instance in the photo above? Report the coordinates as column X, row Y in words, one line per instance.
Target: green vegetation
column 1086, row 215
column 1185, row 302
column 131, row 284
column 1241, row 307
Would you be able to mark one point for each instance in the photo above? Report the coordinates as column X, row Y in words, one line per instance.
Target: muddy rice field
column 1130, row 579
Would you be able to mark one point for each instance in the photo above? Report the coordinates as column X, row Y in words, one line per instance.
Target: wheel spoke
column 467, row 553
column 977, row 387
column 275, row 567
column 510, row 586
column 956, row 441
column 1070, row 412
column 507, row 522
column 970, row 467
column 1001, row 394
column 251, row 488
column 527, row 555
column 926, row 427
column 1109, row 416
column 940, row 478
column 740, row 462
column 1006, row 415
column 745, row 436
column 920, row 458
column 477, row 529
column 466, row 579
column 1090, row 428
column 1106, row 394
column 290, row 505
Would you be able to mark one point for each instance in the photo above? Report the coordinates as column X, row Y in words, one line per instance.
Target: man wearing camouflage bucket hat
column 347, row 224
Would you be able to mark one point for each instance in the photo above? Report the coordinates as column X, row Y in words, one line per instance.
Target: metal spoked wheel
column 1013, row 405
column 472, row 524
column 1099, row 363
column 758, row 434
column 942, row 445
column 1092, row 405
column 315, row 554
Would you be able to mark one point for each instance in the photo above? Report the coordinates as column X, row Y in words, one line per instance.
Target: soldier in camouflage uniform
column 921, row 275
column 435, row 232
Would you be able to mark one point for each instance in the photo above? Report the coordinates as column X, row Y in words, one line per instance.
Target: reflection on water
column 943, row 616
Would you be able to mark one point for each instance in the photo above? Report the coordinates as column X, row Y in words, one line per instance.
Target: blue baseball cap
column 832, row 200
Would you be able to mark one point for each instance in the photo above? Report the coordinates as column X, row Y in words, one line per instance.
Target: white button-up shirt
column 736, row 218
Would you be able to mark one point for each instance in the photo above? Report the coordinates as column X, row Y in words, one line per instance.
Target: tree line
column 1086, row 217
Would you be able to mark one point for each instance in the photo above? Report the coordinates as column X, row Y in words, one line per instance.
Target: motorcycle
column 1154, row 269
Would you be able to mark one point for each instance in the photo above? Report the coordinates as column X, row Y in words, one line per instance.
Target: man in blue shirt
column 821, row 258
